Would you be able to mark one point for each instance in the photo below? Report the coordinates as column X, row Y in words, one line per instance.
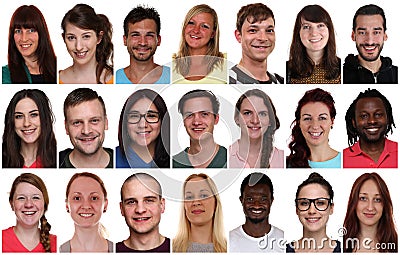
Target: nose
column 24, row 35
column 197, row 118
column 78, row 44
column 370, row 205
column 142, row 40
column 255, row 118
column 86, row 128
column 28, row 203
column 314, row 124
column 371, row 119
column 142, row 122
column 263, row 36
column 27, row 121
column 140, row 208
column 312, row 209
column 86, row 203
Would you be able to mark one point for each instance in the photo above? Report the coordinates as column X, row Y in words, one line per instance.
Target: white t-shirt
column 239, row 241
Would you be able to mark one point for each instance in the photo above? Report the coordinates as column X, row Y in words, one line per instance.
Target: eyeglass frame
column 143, row 116
column 312, row 201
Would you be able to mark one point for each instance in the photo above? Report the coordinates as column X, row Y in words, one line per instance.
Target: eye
column 322, row 118
column 364, row 116
column 17, row 31
column 377, row 32
column 361, row 32
column 206, row 26
column 130, row 202
column 305, row 27
column 34, row 114
column 378, row 200
column 76, row 198
column 149, row 200
column 20, row 198
column 86, row 36
column 18, row 116
column 321, row 25
column 249, row 199
column 247, row 113
column 204, row 196
column 205, row 114
column 95, row 121
column 95, row 198
column 189, row 197
column 363, row 198
column 263, row 114
column 378, row 115
column 271, row 30
column 307, row 119
column 191, row 22
column 31, row 30
column 76, row 123
column 71, row 37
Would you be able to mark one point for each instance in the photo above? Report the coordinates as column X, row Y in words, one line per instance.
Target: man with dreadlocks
column 369, row 119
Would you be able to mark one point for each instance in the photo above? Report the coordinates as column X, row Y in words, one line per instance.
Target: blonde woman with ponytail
column 29, row 200
column 201, row 227
column 86, row 201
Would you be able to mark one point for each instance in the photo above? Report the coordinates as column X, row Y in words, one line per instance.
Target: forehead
column 312, row 191
column 253, row 21
column 197, row 184
column 365, row 21
column 314, row 107
column 84, row 184
column 197, row 104
column 71, row 28
column 85, row 109
column 143, row 187
column 147, row 25
column 369, row 186
column 203, row 17
column 143, row 104
column 26, row 188
column 25, row 104
column 253, row 102
column 259, row 188
column 370, row 103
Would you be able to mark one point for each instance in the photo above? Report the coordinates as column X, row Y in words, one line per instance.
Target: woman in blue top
column 143, row 132
column 314, row 119
column 31, row 57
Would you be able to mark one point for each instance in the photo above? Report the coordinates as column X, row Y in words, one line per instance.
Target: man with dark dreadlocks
column 369, row 119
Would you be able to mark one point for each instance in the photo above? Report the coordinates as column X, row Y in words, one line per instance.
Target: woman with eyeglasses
column 314, row 204
column 143, row 132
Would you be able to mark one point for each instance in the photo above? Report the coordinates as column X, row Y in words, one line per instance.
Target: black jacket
column 353, row 72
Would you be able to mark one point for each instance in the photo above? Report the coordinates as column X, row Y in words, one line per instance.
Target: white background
column 284, row 97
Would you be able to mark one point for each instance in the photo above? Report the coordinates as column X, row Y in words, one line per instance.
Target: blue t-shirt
column 131, row 160
column 336, row 162
column 164, row 78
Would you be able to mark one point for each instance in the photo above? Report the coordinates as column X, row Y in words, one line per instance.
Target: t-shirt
column 181, row 160
column 336, row 249
column 164, row 78
column 164, row 247
column 335, row 162
column 64, row 161
column 11, row 243
column 66, row 247
column 131, row 159
column 238, row 76
column 239, row 241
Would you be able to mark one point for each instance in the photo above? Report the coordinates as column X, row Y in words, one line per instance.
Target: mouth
column 369, row 215
column 315, row 40
column 29, row 213
column 315, row 135
column 25, row 46
column 372, row 130
column 256, row 211
column 141, row 219
column 198, row 211
column 86, row 215
column 313, row 219
column 87, row 139
column 195, row 37
column 262, row 47
column 256, row 128
column 81, row 54
column 369, row 47
column 28, row 131
column 143, row 133
column 198, row 130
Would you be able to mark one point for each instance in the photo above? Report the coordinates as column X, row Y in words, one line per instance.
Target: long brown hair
column 386, row 232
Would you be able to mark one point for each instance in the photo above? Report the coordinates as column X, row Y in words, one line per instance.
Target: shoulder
column 65, row 247
column 6, row 76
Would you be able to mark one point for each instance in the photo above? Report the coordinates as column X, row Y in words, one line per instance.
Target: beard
column 367, row 57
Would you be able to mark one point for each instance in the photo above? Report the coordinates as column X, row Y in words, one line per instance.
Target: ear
column 238, row 36
column 333, row 121
column 331, row 209
column 105, row 205
column 66, row 127
column 12, row 206
column 106, row 123
column 237, row 120
column 353, row 36
column 241, row 200
column 162, row 204
column 158, row 40
column 213, row 34
column 66, row 206
column 121, row 209
column 124, row 38
column 354, row 123
column 385, row 37
column 216, row 119
column 100, row 37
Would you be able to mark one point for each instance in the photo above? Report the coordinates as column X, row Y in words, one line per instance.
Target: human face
column 314, row 36
column 199, row 202
column 256, row 202
column 369, row 36
column 85, row 125
column 144, row 133
column 142, row 206
column 86, row 201
column 198, row 32
column 254, row 118
column 257, row 39
column 315, row 123
column 81, row 44
column 27, row 121
column 198, row 118
column 28, row 205
column 26, row 41
column 142, row 39
column 370, row 119
column 369, row 205
column 314, row 220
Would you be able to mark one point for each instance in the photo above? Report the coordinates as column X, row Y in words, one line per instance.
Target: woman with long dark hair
column 255, row 115
column 28, row 138
column 314, row 117
column 369, row 218
column 312, row 56
column 31, row 57
column 143, row 132
column 87, row 36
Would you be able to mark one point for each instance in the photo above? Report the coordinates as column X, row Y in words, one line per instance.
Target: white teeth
column 195, row 37
column 81, row 54
column 25, row 45
column 372, row 129
column 316, row 134
column 28, row 132
column 257, row 211
column 315, row 40
column 86, row 214
column 142, row 218
column 29, row 213
column 369, row 48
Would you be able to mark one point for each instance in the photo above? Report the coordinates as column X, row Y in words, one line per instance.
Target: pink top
column 359, row 159
column 11, row 243
column 236, row 161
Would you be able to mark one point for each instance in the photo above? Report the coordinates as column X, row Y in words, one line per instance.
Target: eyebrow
column 375, row 28
column 28, row 112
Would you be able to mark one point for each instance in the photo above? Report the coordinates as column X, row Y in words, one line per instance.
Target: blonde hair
column 181, row 241
column 214, row 58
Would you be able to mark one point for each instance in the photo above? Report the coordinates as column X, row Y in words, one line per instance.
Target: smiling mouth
column 194, row 37
column 25, row 46
column 140, row 219
column 81, row 54
column 254, row 128
column 86, row 215
column 256, row 211
column 315, row 40
column 312, row 220
column 315, row 134
column 371, row 47
column 87, row 139
column 197, row 211
column 29, row 213
column 28, row 131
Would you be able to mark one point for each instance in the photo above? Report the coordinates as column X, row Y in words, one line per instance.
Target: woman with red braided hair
column 29, row 200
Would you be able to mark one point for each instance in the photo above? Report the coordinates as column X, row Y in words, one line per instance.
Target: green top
column 6, row 75
column 181, row 160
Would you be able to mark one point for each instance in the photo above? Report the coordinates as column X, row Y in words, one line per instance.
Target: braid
column 45, row 234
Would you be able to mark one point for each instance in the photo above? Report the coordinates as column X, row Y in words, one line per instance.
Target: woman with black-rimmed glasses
column 314, row 204
column 143, row 132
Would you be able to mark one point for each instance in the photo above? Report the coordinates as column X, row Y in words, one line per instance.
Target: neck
column 146, row 153
column 256, row 69
column 372, row 147
column 368, row 232
column 316, row 56
column 373, row 66
column 87, row 239
column 257, row 229
column 145, row 241
column 318, row 236
column 32, row 64
column 138, row 70
column 201, row 234
column 321, row 153
column 100, row 159
column 29, row 152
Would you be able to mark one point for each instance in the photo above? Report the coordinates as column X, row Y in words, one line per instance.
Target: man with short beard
column 369, row 33
column 256, row 234
column 85, row 121
column 369, row 119
column 142, row 37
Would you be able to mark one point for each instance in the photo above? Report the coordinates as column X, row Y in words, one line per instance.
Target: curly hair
column 84, row 17
column 299, row 150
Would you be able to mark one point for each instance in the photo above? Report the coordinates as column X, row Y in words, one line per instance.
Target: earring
column 331, row 127
column 104, row 210
column 67, row 210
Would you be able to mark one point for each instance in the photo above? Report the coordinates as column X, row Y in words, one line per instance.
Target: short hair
column 36, row 181
column 370, row 9
column 140, row 13
column 80, row 95
column 254, row 179
column 253, row 13
column 316, row 178
column 141, row 177
column 199, row 93
column 352, row 133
